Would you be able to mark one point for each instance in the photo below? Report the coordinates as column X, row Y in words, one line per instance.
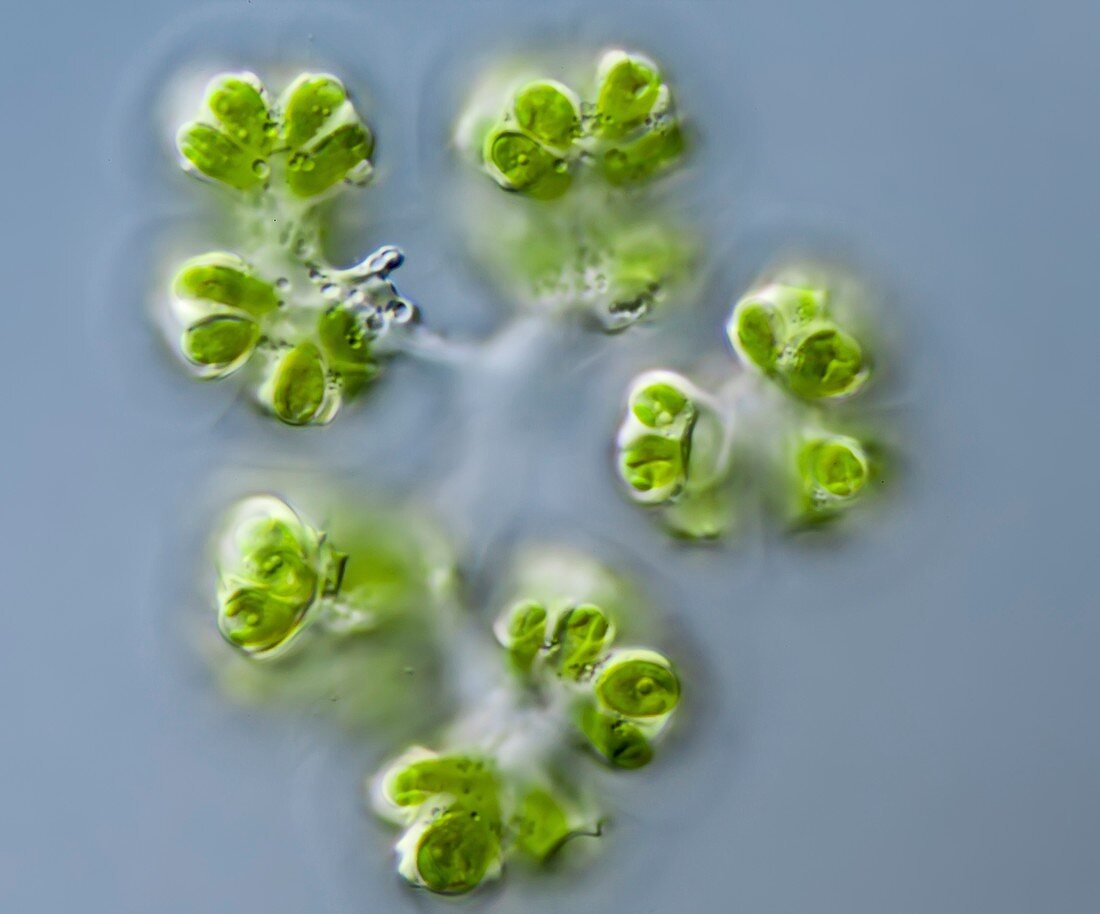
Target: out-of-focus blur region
column 813, row 298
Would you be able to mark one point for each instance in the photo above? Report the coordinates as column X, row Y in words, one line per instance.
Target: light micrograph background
column 902, row 720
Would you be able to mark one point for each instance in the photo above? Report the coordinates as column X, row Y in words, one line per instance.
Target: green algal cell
column 627, row 95
column 801, row 304
column 636, row 687
column 759, row 331
column 466, row 780
column 836, row 466
column 705, row 515
column 646, row 258
column 659, row 405
column 581, row 635
column 347, row 347
column 825, row 362
column 298, row 392
column 455, row 852
column 231, row 141
column 242, row 112
column 523, row 165
column 539, row 824
column 652, row 462
column 620, row 742
column 222, row 341
column 273, row 571
column 210, row 278
column 309, row 103
column 640, row 159
column 274, row 557
column 344, row 337
column 329, row 161
column 217, row 156
column 390, row 567
column 526, row 633
column 546, row 111
column 257, row 621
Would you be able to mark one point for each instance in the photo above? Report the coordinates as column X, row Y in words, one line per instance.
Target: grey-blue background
column 904, row 723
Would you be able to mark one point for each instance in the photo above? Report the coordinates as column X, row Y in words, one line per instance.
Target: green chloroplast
column 304, row 335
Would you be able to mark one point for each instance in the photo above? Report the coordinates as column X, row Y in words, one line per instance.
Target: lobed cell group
column 305, row 335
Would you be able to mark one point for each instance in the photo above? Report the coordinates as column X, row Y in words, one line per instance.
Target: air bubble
column 398, row 310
